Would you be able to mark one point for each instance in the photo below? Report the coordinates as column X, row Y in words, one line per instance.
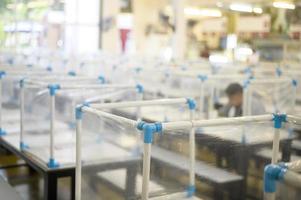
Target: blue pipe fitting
column 149, row 129
column 79, row 112
column 53, row 163
column 278, row 119
column 272, row 174
column 2, row 74
column 202, row 77
column 2, row 132
column 191, row 103
column 23, row 146
column 21, row 82
column 53, row 88
column 190, row 191
column 278, row 72
column 140, row 88
column 138, row 70
column 72, row 73
column 295, row 82
column 101, row 79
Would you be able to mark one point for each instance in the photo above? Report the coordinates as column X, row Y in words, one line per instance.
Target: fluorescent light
column 241, row 7
column 257, row 10
column 284, row 5
column 202, row 12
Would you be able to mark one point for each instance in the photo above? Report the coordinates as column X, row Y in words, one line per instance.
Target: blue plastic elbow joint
column 190, row 191
column 139, row 88
column 191, row 104
column 2, row 74
column 79, row 112
column 2, row 132
column 278, row 119
column 272, row 174
column 53, row 88
column 102, row 79
column 72, row 73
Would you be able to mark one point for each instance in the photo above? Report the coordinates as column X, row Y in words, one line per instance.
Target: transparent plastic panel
column 112, row 155
column 271, row 97
column 111, row 159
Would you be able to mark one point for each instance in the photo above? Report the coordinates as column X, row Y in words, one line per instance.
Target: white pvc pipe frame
column 147, row 147
column 169, row 126
column 52, row 106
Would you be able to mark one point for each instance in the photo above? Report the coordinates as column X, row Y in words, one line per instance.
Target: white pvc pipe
column 22, row 114
column 146, row 170
column 269, row 196
column 140, row 103
column 192, row 151
column 245, row 101
column 52, row 125
column 293, row 179
column 201, row 99
column 276, row 141
column 294, row 119
column 215, row 122
column 78, row 160
column 294, row 166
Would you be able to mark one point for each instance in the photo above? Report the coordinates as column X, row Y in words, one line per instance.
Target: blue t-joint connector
column 190, row 190
column 71, row 73
column 191, row 104
column 272, row 174
column 202, row 77
column 21, row 82
column 295, row 82
column 139, row 88
column 2, row 74
column 53, row 163
column 23, row 146
column 53, row 88
column 79, row 112
column 278, row 119
column 102, row 79
column 2, row 132
column 278, row 71
column 149, row 129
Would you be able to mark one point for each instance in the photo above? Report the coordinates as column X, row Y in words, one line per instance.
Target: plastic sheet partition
column 270, row 96
column 111, row 151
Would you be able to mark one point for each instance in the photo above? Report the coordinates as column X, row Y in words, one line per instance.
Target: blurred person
column 234, row 107
column 205, row 53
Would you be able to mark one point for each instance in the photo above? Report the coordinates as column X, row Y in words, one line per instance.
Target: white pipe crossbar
column 292, row 178
column 140, row 103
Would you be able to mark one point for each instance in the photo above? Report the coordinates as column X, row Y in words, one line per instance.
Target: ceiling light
column 202, row 12
column 241, row 7
column 284, row 5
column 257, row 10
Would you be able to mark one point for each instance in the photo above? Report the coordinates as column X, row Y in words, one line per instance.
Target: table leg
column 131, row 174
column 72, row 185
column 242, row 156
column 286, row 150
column 50, row 186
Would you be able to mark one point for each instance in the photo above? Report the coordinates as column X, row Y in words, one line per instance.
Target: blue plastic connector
column 71, row 73
column 191, row 104
column 53, row 163
column 53, row 88
column 2, row 132
column 203, row 77
column 21, row 82
column 23, row 146
column 2, row 74
column 190, row 191
column 138, row 70
column 140, row 88
column 246, row 83
column 278, row 119
column 149, row 129
column 295, row 82
column 278, row 72
column 79, row 112
column 102, row 79
column 29, row 65
column 272, row 174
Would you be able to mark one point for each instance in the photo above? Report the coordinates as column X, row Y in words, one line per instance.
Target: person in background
column 205, row 53
column 234, row 108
